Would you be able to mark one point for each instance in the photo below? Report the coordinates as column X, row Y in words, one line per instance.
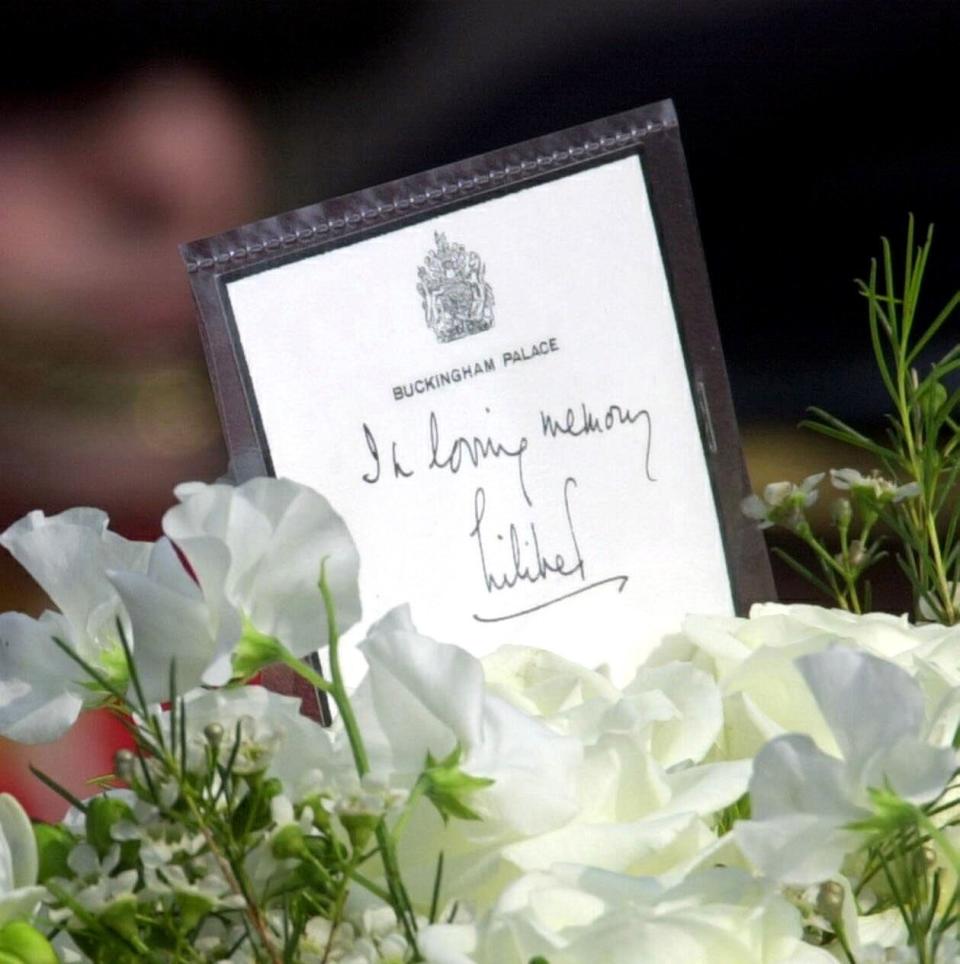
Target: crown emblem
column 457, row 301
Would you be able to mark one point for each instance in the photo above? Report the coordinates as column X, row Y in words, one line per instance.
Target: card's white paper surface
column 556, row 496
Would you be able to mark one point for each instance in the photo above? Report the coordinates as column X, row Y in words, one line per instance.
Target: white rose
column 577, row 915
column 752, row 660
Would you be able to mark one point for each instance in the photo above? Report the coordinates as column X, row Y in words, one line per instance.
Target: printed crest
column 457, row 301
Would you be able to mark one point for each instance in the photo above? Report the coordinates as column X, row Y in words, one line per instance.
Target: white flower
column 69, row 555
column 421, row 696
column 763, row 693
column 273, row 734
column 18, row 862
column 803, row 799
column 542, row 683
column 39, row 700
column 174, row 626
column 575, row 915
column 258, row 548
column 643, row 807
column 874, row 487
column 782, row 502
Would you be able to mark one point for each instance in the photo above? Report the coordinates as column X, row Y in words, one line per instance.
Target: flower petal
column 870, row 704
column 39, row 700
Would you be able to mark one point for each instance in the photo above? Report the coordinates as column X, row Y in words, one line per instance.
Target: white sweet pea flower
column 421, row 697
column 40, row 687
column 173, row 624
column 257, row 549
column 41, row 690
column 803, row 800
column 18, row 862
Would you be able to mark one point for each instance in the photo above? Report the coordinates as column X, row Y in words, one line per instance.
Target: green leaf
column 103, row 814
column 54, row 843
column 934, row 327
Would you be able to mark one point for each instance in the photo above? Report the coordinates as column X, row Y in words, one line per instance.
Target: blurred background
column 811, row 127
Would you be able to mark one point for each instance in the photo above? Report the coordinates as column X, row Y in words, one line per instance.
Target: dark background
column 811, row 128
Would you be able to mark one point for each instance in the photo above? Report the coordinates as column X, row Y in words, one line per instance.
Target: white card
column 514, row 446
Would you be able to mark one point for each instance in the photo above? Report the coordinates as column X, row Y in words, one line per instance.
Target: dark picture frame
column 650, row 132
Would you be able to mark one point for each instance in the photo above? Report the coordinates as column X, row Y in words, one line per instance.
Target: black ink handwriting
column 476, row 450
column 557, row 599
column 522, row 569
column 585, row 422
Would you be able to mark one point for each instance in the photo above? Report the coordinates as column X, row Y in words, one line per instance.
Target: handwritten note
column 496, row 401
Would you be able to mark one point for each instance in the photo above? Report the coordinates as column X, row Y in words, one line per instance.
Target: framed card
column 505, row 374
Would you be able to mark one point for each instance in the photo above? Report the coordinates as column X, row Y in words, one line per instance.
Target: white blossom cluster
column 613, row 820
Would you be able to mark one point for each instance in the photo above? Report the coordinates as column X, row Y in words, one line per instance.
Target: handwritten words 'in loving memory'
column 517, row 551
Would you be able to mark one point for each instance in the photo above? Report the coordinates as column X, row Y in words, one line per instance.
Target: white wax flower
column 874, row 486
column 803, row 800
column 274, row 736
column 41, row 690
column 18, row 862
column 259, row 547
column 782, row 502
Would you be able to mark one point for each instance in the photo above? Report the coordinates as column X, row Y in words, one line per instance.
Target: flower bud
column 925, row 859
column 123, row 765
column 288, row 842
column 855, row 555
column 360, row 826
column 842, row 512
column 213, row 733
column 829, row 901
column 103, row 813
column 54, row 843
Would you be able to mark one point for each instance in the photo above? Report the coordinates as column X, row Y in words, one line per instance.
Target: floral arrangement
column 775, row 788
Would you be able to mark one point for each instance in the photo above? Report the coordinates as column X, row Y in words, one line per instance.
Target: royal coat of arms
column 457, row 300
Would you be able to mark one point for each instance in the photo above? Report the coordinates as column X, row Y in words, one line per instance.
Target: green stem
column 419, row 788
column 831, row 568
column 400, row 900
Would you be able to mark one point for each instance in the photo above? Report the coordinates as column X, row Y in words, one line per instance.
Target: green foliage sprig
column 918, row 459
